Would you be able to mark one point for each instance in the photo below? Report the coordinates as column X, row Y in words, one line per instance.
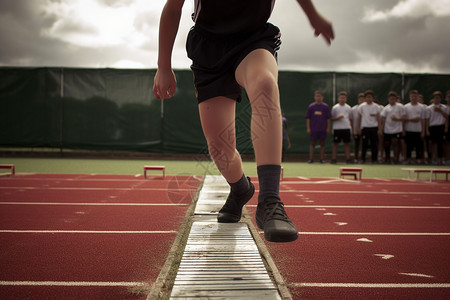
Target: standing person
column 391, row 127
column 414, row 127
column 436, row 127
column 342, row 126
column 426, row 139
column 356, row 135
column 368, row 122
column 286, row 139
column 447, row 131
column 318, row 117
column 233, row 46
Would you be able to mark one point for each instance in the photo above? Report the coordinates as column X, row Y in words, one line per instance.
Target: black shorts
column 437, row 134
column 341, row 135
column 215, row 59
column 389, row 136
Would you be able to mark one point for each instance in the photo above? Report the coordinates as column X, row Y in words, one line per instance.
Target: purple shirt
column 318, row 114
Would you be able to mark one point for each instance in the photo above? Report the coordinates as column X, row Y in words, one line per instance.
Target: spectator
column 318, row 117
column 368, row 122
column 447, row 131
column 356, row 135
column 342, row 126
column 286, row 139
column 391, row 127
column 414, row 127
column 436, row 127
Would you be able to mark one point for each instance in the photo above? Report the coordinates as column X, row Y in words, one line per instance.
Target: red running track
column 87, row 236
column 378, row 239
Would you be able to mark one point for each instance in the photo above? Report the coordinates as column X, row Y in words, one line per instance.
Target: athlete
column 232, row 46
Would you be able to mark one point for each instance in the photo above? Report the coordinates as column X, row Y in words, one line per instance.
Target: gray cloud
column 31, row 36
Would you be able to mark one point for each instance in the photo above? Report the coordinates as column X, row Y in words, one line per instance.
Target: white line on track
column 93, row 204
column 379, row 233
column 372, row 285
column 72, row 283
column 374, row 233
column 362, row 206
column 92, row 231
column 364, row 192
column 92, row 189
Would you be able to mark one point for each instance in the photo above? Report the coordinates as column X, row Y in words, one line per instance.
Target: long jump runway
column 107, row 237
column 375, row 239
column 87, row 236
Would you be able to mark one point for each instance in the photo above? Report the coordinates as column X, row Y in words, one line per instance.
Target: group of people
column 392, row 132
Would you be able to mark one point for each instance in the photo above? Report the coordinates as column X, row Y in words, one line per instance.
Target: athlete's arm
column 164, row 85
column 319, row 23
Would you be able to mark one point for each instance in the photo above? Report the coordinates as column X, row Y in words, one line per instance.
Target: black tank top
column 228, row 17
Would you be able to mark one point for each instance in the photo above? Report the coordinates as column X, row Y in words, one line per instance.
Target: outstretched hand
column 322, row 27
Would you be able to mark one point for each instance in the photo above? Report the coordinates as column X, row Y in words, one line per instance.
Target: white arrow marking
column 340, row 223
column 384, row 256
column 321, row 209
column 364, row 240
column 329, row 214
column 417, row 275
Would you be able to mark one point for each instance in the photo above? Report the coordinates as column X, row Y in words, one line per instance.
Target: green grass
column 119, row 166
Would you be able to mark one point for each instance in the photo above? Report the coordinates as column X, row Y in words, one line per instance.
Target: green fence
column 113, row 109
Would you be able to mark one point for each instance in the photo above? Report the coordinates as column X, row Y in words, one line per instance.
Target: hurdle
column 9, row 166
column 155, row 168
column 354, row 172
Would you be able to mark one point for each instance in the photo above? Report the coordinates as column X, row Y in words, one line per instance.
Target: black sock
column 269, row 181
column 241, row 186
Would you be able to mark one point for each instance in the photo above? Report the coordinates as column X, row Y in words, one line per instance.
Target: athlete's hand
column 322, row 27
column 164, row 84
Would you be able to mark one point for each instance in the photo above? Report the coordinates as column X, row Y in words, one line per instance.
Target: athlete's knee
column 264, row 84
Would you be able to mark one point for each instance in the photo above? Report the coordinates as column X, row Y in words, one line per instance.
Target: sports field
column 96, row 229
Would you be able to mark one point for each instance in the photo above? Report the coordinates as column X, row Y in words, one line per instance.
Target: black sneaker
column 231, row 212
column 272, row 218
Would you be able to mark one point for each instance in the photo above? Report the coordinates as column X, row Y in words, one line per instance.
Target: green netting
column 113, row 109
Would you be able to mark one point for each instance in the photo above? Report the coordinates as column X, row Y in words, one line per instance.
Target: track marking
column 72, row 283
column 372, row 285
column 92, row 231
column 93, row 204
column 92, row 189
column 365, row 206
column 377, row 233
column 385, row 256
column 365, row 240
column 417, row 275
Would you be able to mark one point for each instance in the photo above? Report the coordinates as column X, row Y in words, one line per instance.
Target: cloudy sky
column 371, row 36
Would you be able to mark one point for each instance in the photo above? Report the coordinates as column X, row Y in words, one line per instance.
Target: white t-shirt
column 369, row 113
column 392, row 126
column 355, row 113
column 414, row 111
column 436, row 118
column 341, row 110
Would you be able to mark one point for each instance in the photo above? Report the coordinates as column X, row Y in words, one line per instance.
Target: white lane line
column 417, row 275
column 92, row 231
column 93, row 204
column 92, row 189
column 379, row 233
column 371, row 285
column 376, row 233
column 367, row 206
column 364, row 192
column 323, row 207
column 72, row 283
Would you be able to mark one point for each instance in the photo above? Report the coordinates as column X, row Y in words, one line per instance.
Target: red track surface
column 116, row 230
column 390, row 236
column 377, row 239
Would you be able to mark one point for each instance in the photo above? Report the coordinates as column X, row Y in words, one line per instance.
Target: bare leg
column 258, row 74
column 322, row 149
column 217, row 116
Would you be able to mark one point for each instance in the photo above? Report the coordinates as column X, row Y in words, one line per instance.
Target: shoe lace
column 275, row 210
